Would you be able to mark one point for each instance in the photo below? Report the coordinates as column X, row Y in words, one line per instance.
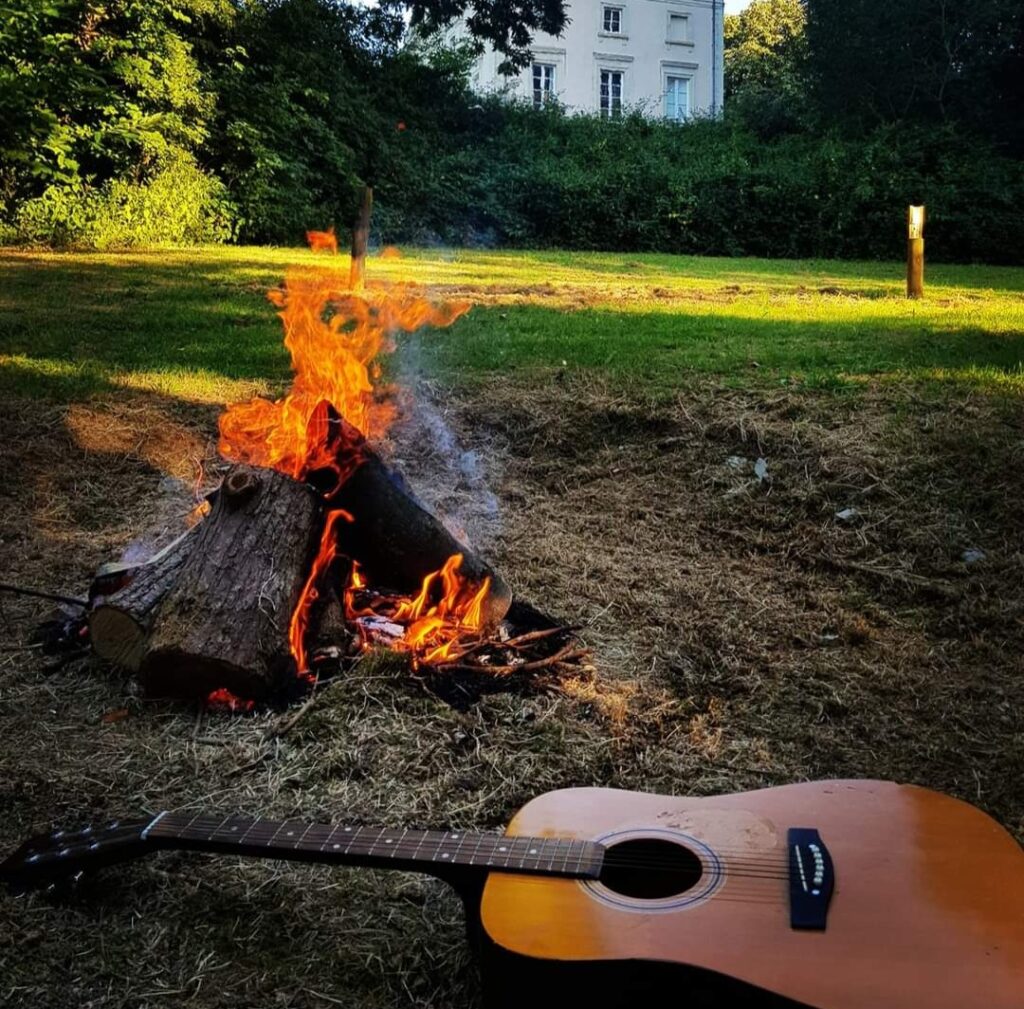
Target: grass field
column 744, row 634
column 195, row 325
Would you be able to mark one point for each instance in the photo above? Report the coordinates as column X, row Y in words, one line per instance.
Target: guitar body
column 927, row 910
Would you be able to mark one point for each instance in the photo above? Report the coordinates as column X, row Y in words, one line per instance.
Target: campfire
column 313, row 550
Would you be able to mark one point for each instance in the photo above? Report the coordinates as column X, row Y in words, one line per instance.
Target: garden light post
column 915, row 252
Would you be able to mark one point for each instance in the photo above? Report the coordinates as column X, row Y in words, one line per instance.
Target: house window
column 611, row 93
column 543, row 83
column 677, row 98
column 678, row 28
column 611, row 21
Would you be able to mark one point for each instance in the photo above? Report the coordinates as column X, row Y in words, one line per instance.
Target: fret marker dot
column 388, row 841
column 290, row 833
column 503, row 849
column 234, row 828
column 348, row 828
column 335, row 845
column 533, row 851
column 445, row 855
column 454, row 836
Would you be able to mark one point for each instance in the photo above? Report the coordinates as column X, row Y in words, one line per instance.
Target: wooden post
column 915, row 252
column 360, row 238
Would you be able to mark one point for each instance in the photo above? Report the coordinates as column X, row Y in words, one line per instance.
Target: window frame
column 687, row 38
column 670, row 77
column 619, row 12
column 611, row 112
column 544, row 92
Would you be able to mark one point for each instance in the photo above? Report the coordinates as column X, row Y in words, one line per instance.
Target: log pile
column 213, row 609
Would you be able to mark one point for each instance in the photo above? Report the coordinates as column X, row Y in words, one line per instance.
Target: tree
column 925, row 61
column 508, row 25
column 765, row 54
column 90, row 92
column 318, row 100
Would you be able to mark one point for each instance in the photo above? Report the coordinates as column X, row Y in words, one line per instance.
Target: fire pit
column 313, row 549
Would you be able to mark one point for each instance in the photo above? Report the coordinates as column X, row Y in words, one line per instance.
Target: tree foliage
column 765, row 65
column 765, row 48
column 922, row 61
column 125, row 121
column 508, row 25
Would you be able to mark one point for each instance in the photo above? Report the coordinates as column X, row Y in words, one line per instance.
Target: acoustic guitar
column 832, row 894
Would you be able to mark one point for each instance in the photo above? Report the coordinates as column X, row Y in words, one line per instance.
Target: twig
column 20, row 590
column 523, row 639
column 561, row 656
column 280, row 727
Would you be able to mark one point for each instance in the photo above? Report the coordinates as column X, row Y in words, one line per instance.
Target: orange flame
column 310, row 591
column 334, row 338
column 447, row 612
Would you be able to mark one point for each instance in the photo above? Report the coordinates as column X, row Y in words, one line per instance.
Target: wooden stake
column 360, row 239
column 915, row 252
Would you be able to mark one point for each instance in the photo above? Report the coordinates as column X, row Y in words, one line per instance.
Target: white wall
column 642, row 52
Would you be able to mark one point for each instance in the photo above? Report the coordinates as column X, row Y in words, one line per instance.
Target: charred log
column 225, row 620
column 396, row 541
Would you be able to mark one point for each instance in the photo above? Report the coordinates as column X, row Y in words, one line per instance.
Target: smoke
column 448, row 478
column 166, row 520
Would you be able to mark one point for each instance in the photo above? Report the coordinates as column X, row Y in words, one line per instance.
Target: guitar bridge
column 811, row 879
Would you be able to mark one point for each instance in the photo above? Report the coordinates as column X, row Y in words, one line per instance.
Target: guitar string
column 735, row 868
column 748, row 864
column 779, row 858
column 457, row 839
column 319, row 844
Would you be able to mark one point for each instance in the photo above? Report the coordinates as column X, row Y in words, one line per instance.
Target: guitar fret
column 373, row 844
column 399, row 842
column 565, row 860
column 302, row 837
column 273, row 837
column 476, row 848
column 245, row 833
column 353, row 835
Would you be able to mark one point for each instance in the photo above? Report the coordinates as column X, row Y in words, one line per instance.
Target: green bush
column 513, row 176
column 179, row 204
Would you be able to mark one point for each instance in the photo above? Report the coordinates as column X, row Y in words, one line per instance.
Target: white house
column 661, row 56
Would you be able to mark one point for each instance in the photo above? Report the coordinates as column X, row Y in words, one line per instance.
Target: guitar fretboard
column 382, row 846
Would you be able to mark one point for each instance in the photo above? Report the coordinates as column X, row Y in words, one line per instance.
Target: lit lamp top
column 915, row 222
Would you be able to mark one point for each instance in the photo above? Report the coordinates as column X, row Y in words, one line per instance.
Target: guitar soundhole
column 649, row 868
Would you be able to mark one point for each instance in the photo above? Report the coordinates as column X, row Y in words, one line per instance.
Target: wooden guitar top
column 927, row 912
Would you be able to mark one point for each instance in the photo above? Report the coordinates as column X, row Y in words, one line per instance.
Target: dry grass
column 745, row 637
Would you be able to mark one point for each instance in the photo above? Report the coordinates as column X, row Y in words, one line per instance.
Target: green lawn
column 193, row 323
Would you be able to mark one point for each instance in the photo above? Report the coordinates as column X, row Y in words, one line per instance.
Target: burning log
column 397, row 542
column 224, row 622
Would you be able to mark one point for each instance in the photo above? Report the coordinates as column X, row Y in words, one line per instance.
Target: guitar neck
column 431, row 851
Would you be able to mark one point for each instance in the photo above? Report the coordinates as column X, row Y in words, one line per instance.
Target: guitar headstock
column 48, row 860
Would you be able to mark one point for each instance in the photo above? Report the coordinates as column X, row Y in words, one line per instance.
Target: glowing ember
column 224, row 699
column 445, row 616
